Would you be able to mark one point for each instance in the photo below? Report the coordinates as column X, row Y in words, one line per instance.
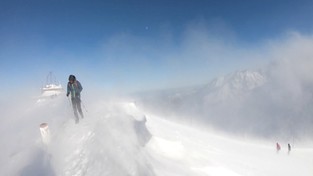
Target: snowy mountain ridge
column 234, row 85
column 246, row 80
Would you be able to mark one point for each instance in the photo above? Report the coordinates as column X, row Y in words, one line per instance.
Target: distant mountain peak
column 244, row 80
column 233, row 85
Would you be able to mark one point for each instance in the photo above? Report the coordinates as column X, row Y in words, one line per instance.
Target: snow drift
column 108, row 141
column 118, row 138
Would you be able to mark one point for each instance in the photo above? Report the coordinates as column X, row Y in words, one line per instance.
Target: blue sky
column 137, row 45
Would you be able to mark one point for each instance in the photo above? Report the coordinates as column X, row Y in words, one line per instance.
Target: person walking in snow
column 277, row 147
column 74, row 88
column 289, row 148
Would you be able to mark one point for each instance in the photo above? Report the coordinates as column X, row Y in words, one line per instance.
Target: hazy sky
column 139, row 44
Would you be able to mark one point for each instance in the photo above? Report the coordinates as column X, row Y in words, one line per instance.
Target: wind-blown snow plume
column 109, row 141
column 274, row 102
column 114, row 139
column 103, row 145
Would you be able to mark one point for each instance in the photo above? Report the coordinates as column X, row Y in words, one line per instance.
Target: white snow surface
column 112, row 141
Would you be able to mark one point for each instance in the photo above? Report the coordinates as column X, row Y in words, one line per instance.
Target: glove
column 67, row 94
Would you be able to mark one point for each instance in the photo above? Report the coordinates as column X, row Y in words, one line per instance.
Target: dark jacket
column 74, row 89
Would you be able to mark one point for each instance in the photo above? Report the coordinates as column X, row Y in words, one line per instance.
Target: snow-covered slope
column 187, row 151
column 117, row 138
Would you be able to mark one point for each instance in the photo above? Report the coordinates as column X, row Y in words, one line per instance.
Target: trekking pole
column 84, row 105
column 70, row 107
column 69, row 101
column 70, row 104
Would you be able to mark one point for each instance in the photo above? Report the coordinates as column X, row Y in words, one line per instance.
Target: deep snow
column 114, row 139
